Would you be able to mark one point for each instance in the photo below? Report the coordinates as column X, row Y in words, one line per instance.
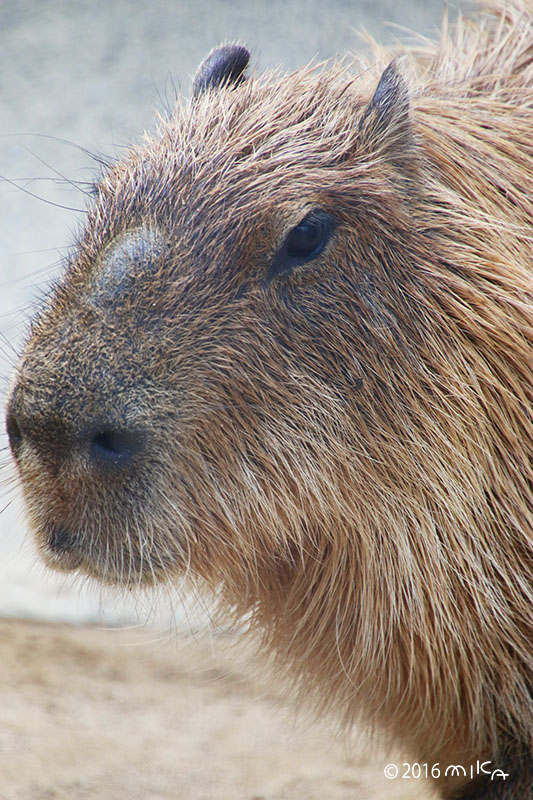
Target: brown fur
column 344, row 451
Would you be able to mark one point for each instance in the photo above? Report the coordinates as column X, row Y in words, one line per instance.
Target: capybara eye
column 304, row 243
column 307, row 240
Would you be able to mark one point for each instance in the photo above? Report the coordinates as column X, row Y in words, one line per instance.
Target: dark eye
column 308, row 238
column 304, row 243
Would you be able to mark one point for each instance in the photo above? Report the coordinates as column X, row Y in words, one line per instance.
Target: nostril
column 113, row 446
column 14, row 434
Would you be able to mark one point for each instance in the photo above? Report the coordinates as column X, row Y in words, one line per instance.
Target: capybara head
column 291, row 356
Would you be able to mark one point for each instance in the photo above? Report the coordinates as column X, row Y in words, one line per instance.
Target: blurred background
column 86, row 77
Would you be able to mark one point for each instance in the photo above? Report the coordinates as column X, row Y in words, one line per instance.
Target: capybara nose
column 113, row 446
column 99, row 444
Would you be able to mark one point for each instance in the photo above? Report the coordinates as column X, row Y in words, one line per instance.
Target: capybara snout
column 93, row 413
column 105, row 442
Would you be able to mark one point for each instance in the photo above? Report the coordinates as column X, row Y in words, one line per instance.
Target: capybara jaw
column 291, row 357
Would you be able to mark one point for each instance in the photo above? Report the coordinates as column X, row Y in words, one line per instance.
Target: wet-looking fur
column 291, row 356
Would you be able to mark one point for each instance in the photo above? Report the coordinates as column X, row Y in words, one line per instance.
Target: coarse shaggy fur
column 342, row 448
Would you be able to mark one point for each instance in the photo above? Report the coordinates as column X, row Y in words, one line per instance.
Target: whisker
column 43, row 199
column 104, row 161
column 74, row 184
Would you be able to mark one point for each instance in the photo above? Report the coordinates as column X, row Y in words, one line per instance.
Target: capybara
column 291, row 357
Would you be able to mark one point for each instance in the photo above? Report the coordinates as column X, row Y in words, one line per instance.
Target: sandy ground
column 115, row 714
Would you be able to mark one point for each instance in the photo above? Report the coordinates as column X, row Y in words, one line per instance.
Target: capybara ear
column 224, row 66
column 385, row 125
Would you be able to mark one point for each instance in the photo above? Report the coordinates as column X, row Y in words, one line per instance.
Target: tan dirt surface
column 115, row 714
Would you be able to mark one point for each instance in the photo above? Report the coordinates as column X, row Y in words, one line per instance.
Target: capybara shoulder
column 291, row 358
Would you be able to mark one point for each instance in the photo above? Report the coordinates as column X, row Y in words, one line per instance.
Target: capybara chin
column 291, row 356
